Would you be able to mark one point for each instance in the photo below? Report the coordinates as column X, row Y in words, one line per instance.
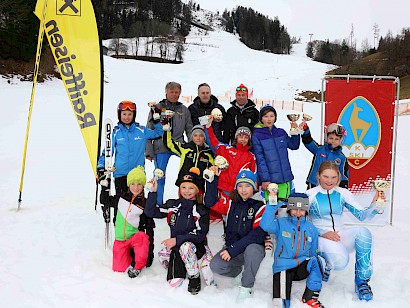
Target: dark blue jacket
column 188, row 221
column 322, row 153
column 297, row 239
column 271, row 150
column 243, row 218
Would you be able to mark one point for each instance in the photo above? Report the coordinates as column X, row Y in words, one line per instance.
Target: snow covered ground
column 52, row 252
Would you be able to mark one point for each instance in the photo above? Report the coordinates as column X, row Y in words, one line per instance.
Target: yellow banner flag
column 72, row 33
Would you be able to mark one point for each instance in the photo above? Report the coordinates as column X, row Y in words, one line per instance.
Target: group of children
column 250, row 210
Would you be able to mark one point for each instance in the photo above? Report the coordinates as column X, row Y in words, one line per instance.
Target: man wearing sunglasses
column 180, row 123
column 242, row 113
column 335, row 135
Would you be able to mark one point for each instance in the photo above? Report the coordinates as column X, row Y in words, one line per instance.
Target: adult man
column 180, row 122
column 242, row 113
column 203, row 104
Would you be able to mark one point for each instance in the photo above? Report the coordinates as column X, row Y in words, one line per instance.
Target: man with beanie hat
column 129, row 206
column 203, row 105
column 186, row 251
column 243, row 112
column 296, row 255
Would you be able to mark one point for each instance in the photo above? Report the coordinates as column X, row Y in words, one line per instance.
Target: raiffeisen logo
column 363, row 127
column 68, row 7
column 73, row 80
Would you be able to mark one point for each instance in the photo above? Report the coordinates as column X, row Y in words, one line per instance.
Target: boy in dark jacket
column 296, row 255
column 242, row 113
column 244, row 241
column 186, row 250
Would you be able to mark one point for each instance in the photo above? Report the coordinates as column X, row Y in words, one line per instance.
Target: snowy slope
column 52, row 252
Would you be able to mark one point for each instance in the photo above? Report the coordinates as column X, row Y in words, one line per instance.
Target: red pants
column 121, row 252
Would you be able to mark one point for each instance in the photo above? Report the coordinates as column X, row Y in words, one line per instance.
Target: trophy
column 204, row 120
column 158, row 174
column 303, row 126
column 221, row 163
column 217, row 114
column 273, row 187
column 293, row 117
column 381, row 186
column 107, row 179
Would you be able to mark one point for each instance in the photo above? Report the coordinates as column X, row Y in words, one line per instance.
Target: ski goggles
column 127, row 105
column 336, row 129
column 240, row 89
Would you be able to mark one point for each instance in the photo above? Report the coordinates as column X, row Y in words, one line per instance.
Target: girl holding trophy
column 327, row 204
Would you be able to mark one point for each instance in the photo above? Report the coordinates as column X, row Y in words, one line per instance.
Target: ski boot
column 194, row 285
column 243, row 294
column 132, row 272
column 311, row 298
column 363, row 290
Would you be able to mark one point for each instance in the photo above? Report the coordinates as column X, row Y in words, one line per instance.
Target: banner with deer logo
column 366, row 108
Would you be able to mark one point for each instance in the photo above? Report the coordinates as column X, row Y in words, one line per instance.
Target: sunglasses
column 126, row 105
column 241, row 89
column 336, row 129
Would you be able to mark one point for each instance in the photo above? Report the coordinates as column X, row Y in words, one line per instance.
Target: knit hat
column 265, row 109
column 298, row 201
column 197, row 129
column 127, row 105
column 192, row 177
column 136, row 176
column 242, row 89
column 243, row 130
column 246, row 176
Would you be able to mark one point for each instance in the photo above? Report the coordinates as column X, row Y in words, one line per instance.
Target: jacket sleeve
column 269, row 223
column 219, row 126
column 155, row 133
column 263, row 171
column 101, row 160
column 315, row 242
column 355, row 208
column 229, row 127
column 309, row 143
column 198, row 235
column 188, row 123
column 294, row 142
column 256, row 236
column 173, row 146
column 151, row 208
column 194, row 114
column 149, row 146
column 211, row 139
column 345, row 174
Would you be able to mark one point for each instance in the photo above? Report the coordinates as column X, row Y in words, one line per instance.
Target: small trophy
column 293, row 117
column 221, row 163
column 158, row 174
column 273, row 187
column 217, row 114
column 107, row 179
column 381, row 186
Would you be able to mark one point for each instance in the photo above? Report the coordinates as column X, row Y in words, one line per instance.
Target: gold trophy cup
column 381, row 186
column 293, row 117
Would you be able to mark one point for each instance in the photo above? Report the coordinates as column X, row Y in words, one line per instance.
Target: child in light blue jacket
column 296, row 251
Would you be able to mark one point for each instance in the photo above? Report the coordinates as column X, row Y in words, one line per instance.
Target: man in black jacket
column 203, row 104
column 242, row 113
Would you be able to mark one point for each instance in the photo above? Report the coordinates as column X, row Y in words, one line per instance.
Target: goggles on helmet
column 336, row 129
column 239, row 89
column 126, row 105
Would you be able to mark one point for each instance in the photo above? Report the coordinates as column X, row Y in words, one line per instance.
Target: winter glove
column 101, row 175
column 156, row 115
column 166, row 126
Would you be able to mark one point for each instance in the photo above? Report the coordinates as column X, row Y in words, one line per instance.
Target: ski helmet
column 337, row 129
column 127, row 105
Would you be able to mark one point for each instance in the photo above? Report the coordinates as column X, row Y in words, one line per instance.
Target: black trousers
column 282, row 281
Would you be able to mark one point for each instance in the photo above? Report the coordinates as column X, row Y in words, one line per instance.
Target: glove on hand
column 101, row 175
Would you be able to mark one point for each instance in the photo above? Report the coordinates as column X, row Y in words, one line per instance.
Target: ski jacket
column 128, row 210
column 242, row 222
column 296, row 239
column 326, row 208
column 180, row 123
column 271, row 151
column 322, row 153
column 199, row 109
column 236, row 117
column 239, row 157
column 128, row 146
column 188, row 220
column 191, row 155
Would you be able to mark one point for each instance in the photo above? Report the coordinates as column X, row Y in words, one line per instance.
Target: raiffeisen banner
column 72, row 33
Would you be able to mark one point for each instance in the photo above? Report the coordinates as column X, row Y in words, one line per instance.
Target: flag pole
column 33, row 91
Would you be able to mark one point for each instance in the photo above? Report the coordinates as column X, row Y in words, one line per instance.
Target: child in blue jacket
column 296, row 255
column 332, row 150
column 245, row 239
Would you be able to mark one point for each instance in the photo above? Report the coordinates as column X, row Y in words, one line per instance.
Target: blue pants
column 161, row 162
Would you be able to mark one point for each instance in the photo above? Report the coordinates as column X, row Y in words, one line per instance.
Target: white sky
column 327, row 19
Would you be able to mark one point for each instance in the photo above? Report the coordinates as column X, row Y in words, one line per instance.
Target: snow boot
column 194, row 285
column 363, row 289
column 243, row 294
column 311, row 298
column 132, row 272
